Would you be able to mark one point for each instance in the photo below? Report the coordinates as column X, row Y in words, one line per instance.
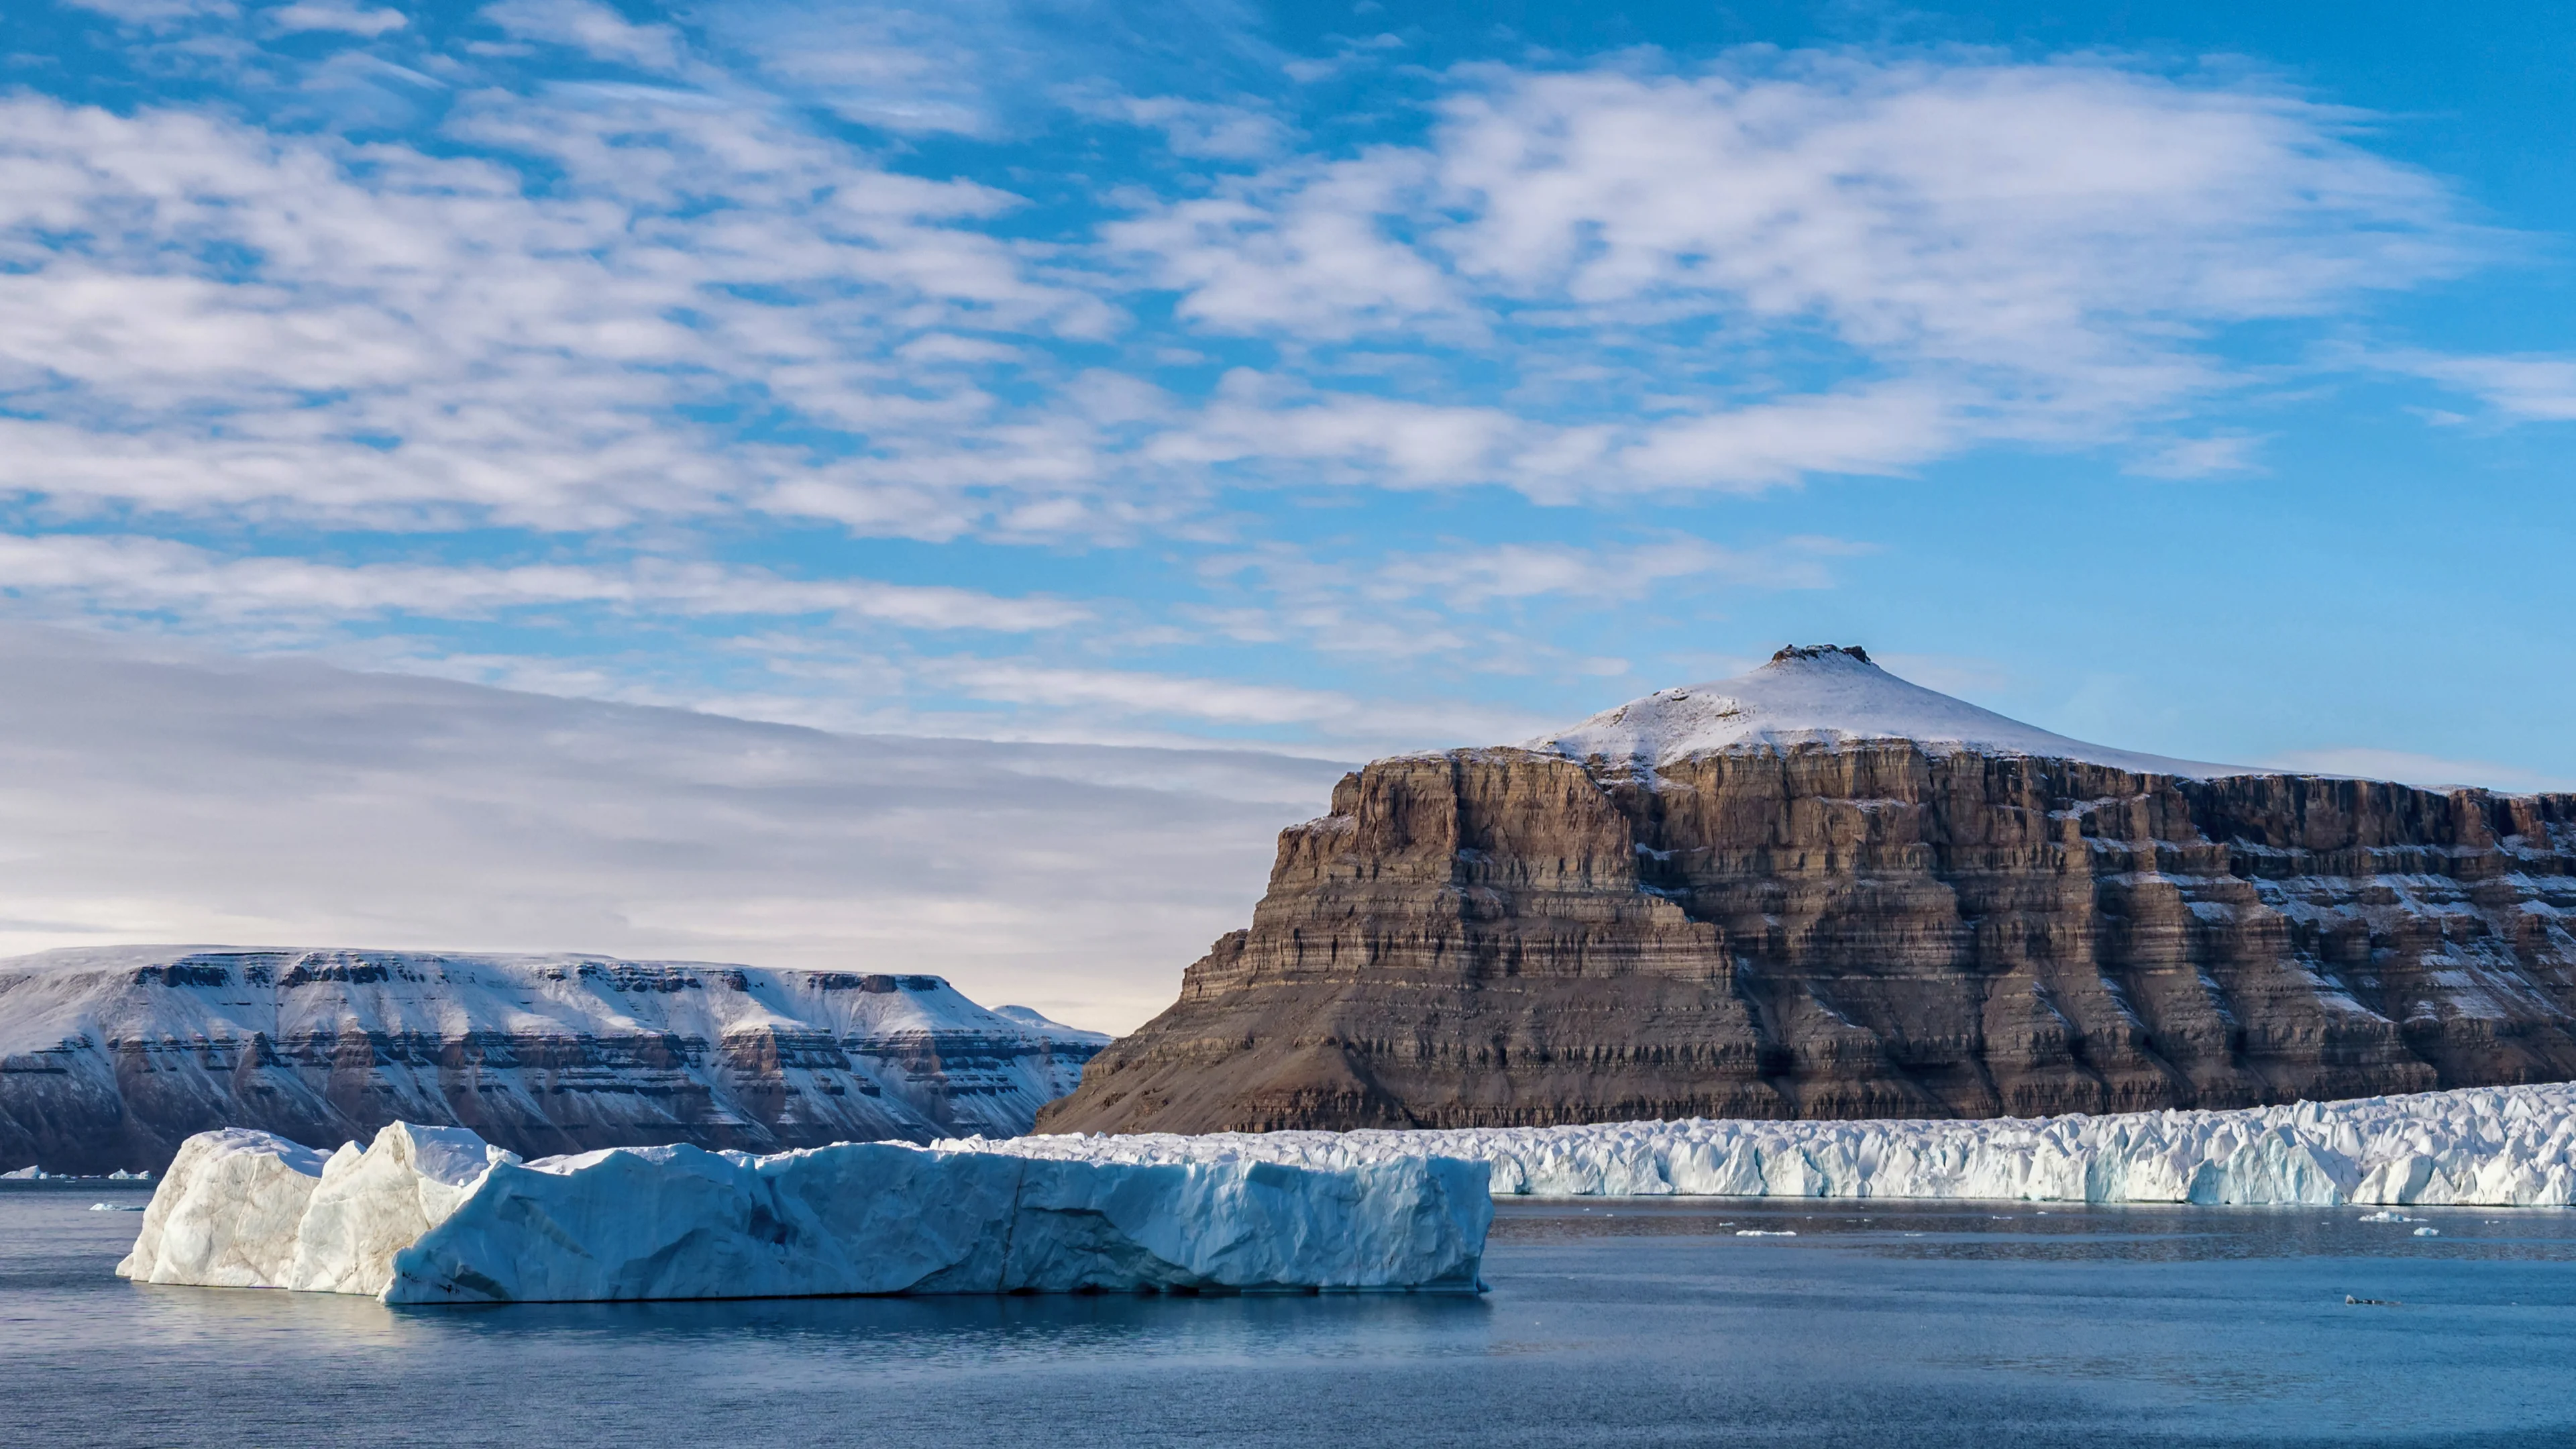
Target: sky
column 152, row 795
column 1301, row 381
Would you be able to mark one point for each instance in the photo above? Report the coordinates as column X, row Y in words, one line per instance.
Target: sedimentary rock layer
column 1721, row 903
column 435, row 1215
column 2476, row 1147
column 110, row 1058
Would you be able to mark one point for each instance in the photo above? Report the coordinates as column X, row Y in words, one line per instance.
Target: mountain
column 109, row 1058
column 1818, row 890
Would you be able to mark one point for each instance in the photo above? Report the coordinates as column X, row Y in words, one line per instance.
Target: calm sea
column 1609, row 1323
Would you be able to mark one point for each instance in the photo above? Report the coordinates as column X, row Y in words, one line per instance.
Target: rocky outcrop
column 1743, row 908
column 109, row 1059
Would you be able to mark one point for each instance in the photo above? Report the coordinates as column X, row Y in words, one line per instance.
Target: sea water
column 1609, row 1323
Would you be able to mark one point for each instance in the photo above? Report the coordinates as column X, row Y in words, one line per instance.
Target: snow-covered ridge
column 437, row 1215
column 1826, row 694
column 2483, row 1146
column 109, row 1057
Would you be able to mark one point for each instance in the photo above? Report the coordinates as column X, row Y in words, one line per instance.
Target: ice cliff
column 2485, row 1146
column 436, row 1215
column 110, row 1057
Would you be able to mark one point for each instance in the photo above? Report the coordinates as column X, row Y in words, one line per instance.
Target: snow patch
column 1824, row 694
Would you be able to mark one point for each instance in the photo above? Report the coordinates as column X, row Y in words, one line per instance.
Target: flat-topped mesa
column 1817, row 890
column 110, row 1057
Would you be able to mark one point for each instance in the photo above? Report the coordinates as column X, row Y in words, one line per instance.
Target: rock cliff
column 1820, row 891
column 109, row 1059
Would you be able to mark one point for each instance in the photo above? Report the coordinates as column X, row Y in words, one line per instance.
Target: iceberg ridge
column 435, row 1215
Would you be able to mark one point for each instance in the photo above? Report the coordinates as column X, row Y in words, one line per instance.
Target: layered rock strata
column 109, row 1059
column 1820, row 892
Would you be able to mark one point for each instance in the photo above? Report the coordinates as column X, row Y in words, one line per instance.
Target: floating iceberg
column 436, row 1215
column 2487, row 1146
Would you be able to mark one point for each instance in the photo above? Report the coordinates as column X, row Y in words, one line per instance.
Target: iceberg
column 2481, row 1146
column 437, row 1215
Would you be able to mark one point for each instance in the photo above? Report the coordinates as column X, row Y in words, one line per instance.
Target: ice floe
column 435, row 1215
column 2487, row 1146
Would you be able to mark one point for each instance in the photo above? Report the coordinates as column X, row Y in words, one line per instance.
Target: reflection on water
column 1609, row 1323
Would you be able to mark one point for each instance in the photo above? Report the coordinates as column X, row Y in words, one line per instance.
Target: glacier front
column 2480, row 1146
column 436, row 1215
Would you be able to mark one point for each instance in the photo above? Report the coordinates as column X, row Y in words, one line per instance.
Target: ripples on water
column 1618, row 1323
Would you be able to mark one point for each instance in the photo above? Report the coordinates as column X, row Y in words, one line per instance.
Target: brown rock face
column 1509, row 937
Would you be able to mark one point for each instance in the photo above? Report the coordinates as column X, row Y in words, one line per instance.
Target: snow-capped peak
column 1045, row 1025
column 1826, row 694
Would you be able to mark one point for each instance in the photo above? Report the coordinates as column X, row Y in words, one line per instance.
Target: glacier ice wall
column 2486, row 1146
column 435, row 1215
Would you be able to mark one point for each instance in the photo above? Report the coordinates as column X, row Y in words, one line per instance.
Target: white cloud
column 304, row 15
column 206, row 315
column 1000, row 68
column 1881, row 430
column 1202, row 128
column 145, row 574
column 1133, row 692
column 1421, row 608
column 1302, row 250
column 2429, row 771
column 1472, row 578
column 2530, row 389
column 160, row 12
column 589, row 27
column 656, row 303
column 2201, row 457
column 1122, row 694
column 1974, row 212
column 1997, row 252
column 1385, row 441
column 424, row 337
column 149, row 797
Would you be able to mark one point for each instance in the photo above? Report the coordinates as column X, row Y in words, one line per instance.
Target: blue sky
column 1330, row 378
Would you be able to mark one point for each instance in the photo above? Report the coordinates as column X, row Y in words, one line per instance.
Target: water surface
column 1609, row 1323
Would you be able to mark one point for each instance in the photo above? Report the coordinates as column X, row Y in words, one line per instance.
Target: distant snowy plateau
column 110, row 1058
